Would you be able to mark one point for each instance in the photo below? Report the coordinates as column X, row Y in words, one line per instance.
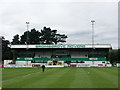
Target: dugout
column 77, row 55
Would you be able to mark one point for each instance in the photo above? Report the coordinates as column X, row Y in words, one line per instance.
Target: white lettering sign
column 60, row 46
column 93, row 58
column 28, row 59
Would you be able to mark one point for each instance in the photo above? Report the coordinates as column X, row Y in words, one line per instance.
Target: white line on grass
column 21, row 76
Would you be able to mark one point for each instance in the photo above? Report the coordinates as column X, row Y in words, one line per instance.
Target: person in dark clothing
column 43, row 68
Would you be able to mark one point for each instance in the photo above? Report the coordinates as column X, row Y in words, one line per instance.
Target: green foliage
column 24, row 38
column 114, row 56
column 15, row 40
column 34, row 36
column 30, row 37
column 119, row 55
column 6, row 51
column 46, row 36
column 49, row 36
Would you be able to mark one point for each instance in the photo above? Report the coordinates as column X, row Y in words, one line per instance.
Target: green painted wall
column 60, row 59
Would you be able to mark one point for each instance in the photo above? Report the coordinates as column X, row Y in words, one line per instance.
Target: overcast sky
column 70, row 17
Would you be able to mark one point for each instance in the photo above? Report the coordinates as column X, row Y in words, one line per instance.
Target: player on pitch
column 43, row 68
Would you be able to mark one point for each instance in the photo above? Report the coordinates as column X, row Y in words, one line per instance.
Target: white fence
column 62, row 64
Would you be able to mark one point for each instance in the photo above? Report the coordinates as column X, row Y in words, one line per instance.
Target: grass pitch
column 89, row 77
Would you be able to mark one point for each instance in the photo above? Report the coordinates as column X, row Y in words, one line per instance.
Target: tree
column 30, row 37
column 24, row 38
column 118, row 55
column 60, row 38
column 34, row 37
column 15, row 40
column 114, row 56
column 46, row 36
column 6, row 51
column 49, row 36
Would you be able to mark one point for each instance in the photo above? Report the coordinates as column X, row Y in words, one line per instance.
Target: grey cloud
column 71, row 18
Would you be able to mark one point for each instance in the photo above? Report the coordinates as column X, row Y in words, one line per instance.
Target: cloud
column 70, row 17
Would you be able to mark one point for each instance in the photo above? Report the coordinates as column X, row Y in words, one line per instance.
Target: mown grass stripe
column 65, row 79
column 60, row 77
column 19, row 81
column 48, row 81
column 81, row 79
column 102, row 79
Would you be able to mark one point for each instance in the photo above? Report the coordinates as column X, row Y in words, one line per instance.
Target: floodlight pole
column 27, row 23
column 27, row 41
column 92, row 21
column 92, row 33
